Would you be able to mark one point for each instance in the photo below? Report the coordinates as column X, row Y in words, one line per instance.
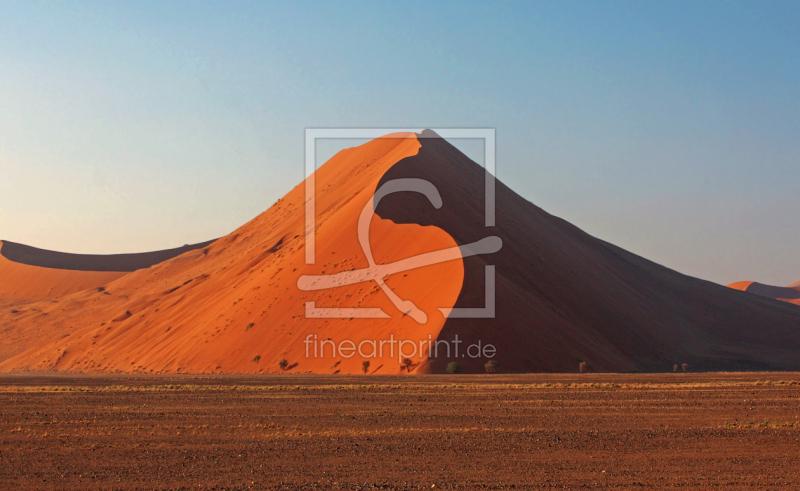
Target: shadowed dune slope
column 562, row 296
column 789, row 293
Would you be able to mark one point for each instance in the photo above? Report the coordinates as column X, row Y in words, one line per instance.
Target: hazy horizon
column 671, row 130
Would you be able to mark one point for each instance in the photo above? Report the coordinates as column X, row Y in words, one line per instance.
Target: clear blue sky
column 669, row 128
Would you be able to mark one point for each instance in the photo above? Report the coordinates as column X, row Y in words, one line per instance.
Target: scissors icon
column 377, row 272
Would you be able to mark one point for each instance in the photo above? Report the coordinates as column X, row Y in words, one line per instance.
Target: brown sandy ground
column 598, row 431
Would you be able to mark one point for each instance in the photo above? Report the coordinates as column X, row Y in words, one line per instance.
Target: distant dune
column 28, row 273
column 789, row 293
column 20, row 253
column 562, row 296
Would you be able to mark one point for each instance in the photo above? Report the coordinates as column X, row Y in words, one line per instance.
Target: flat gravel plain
column 595, row 431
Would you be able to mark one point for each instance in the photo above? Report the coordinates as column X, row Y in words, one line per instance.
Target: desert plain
column 531, row 431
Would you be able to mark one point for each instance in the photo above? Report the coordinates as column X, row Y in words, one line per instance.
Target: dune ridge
column 32, row 256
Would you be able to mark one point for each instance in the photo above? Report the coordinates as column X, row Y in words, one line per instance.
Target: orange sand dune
column 741, row 285
column 562, row 296
column 234, row 306
column 789, row 294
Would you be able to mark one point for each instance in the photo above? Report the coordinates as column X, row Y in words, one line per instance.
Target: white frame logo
column 377, row 272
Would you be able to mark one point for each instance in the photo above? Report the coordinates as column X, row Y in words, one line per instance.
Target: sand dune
column 562, row 296
column 234, row 306
column 789, row 293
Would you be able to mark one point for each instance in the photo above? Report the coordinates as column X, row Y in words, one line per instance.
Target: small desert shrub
column 406, row 364
column 685, row 367
column 365, row 366
column 283, row 364
column 257, row 358
column 492, row 366
column 675, row 368
column 584, row 367
column 454, row 367
column 249, row 326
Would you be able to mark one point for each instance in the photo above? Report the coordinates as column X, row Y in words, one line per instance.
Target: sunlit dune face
column 741, row 285
column 430, row 288
column 235, row 305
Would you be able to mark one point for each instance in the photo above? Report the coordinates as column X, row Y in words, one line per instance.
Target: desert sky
column 671, row 129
